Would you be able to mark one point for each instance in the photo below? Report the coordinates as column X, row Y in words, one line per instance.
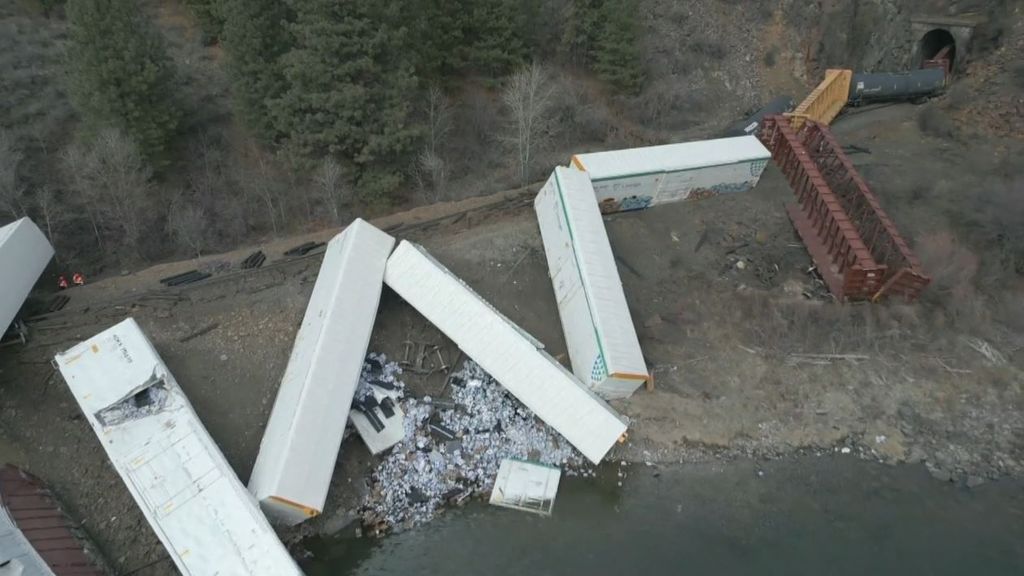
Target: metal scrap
column 452, row 451
column 254, row 260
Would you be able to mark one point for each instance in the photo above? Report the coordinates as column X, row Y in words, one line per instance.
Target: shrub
column 935, row 122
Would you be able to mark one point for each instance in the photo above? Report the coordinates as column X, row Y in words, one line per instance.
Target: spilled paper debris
column 453, row 448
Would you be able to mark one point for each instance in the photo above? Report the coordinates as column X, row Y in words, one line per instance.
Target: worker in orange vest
column 77, row 279
column 62, row 283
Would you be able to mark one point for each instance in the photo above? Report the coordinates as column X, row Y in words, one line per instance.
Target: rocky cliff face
column 715, row 58
column 712, row 60
column 864, row 35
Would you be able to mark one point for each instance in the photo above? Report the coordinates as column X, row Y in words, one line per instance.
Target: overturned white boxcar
column 300, row 444
column 603, row 346
column 200, row 511
column 637, row 178
column 24, row 254
column 508, row 353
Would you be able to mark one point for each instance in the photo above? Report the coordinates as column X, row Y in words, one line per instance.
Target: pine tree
column 533, row 27
column 617, row 58
column 583, row 25
column 50, row 6
column 493, row 31
column 210, row 15
column 436, row 36
column 350, row 87
column 255, row 38
column 120, row 74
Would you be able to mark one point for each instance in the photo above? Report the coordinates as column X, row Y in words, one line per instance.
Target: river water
column 821, row 516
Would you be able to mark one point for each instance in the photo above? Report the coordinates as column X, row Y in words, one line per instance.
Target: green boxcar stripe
column 634, row 174
column 579, row 272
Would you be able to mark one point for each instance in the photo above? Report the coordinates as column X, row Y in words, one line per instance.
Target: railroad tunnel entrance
column 938, row 43
column 929, row 35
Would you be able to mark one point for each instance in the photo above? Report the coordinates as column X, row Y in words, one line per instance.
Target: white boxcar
column 200, row 511
column 24, row 254
column 509, row 354
column 17, row 556
column 636, row 178
column 526, row 486
column 300, row 444
column 599, row 332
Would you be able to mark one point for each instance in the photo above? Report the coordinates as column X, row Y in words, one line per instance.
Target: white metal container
column 602, row 342
column 17, row 556
column 200, row 511
column 526, row 486
column 509, row 354
column 24, row 254
column 394, row 427
column 637, row 178
column 300, row 444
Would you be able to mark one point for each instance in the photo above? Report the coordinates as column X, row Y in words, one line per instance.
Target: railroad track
column 270, row 274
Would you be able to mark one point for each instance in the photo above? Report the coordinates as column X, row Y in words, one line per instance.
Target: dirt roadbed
column 750, row 357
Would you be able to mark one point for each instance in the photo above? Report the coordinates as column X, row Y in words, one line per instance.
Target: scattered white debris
column 880, row 439
column 845, row 450
column 994, row 357
column 505, row 350
column 452, row 450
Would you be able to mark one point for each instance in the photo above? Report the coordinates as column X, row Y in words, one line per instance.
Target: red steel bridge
column 853, row 242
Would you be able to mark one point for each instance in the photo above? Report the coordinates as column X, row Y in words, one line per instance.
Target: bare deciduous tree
column 74, row 164
column 11, row 189
column 51, row 209
column 112, row 181
column 431, row 164
column 258, row 183
column 207, row 175
column 439, row 119
column 528, row 101
column 330, row 185
column 121, row 168
column 187, row 223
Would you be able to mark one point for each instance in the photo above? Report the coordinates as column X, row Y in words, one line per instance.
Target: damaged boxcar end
column 200, row 511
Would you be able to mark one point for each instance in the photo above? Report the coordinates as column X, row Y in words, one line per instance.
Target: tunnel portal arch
column 934, row 42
